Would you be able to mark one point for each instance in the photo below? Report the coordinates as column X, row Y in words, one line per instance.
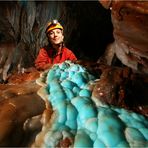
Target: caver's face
column 55, row 36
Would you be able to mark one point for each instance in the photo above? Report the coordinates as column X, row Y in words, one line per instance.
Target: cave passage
column 87, row 27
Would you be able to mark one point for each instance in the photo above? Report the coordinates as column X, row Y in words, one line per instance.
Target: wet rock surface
column 119, row 86
column 130, row 24
column 19, row 102
column 23, row 111
column 81, row 117
column 122, row 87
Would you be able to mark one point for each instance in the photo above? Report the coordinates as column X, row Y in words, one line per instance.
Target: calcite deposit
column 82, row 118
column 81, row 104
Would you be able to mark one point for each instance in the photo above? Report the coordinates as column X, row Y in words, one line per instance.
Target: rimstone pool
column 83, row 118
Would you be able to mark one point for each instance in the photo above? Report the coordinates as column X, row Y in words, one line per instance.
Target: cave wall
column 130, row 25
column 23, row 23
column 87, row 28
column 93, row 31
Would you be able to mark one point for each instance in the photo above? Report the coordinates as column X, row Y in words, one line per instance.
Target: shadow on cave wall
column 87, row 26
column 94, row 29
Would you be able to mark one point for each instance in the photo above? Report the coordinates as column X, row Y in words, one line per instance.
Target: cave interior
column 87, row 28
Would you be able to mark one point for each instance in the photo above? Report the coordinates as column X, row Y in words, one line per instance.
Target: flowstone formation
column 130, row 25
column 81, row 120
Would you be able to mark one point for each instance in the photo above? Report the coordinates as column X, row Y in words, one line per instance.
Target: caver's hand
column 44, row 67
column 47, row 66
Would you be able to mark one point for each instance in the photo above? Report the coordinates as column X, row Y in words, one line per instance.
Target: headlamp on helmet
column 53, row 25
